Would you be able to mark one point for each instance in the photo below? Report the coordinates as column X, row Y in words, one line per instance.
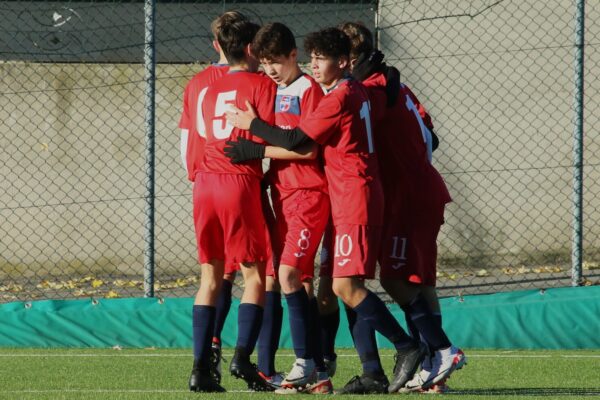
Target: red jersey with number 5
column 342, row 125
column 234, row 89
column 190, row 115
column 404, row 148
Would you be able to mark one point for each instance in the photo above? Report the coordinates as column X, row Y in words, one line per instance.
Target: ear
column 294, row 54
column 216, row 45
column 248, row 50
column 343, row 62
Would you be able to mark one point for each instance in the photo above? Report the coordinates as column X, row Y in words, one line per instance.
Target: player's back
column 235, row 88
column 189, row 116
column 294, row 102
column 404, row 147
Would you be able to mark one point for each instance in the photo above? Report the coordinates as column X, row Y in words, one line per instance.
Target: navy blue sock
column 329, row 327
column 203, row 320
column 249, row 322
column 412, row 329
column 223, row 306
column 377, row 315
column 351, row 316
column 268, row 339
column 429, row 327
column 366, row 346
column 314, row 329
column 298, row 313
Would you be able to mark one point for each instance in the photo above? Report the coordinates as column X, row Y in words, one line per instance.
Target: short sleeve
column 265, row 101
column 310, row 99
column 323, row 122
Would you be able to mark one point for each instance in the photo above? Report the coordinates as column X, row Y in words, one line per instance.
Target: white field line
column 175, row 355
column 109, row 391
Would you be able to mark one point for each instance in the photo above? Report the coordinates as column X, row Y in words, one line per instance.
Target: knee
column 289, row 279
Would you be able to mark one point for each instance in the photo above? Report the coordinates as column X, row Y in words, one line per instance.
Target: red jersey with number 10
column 234, row 89
column 190, row 115
column 294, row 102
column 342, row 124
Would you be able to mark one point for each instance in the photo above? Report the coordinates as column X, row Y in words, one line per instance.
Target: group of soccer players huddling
column 350, row 166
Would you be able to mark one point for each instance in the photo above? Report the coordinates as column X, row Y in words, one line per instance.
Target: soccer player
column 342, row 125
column 192, row 152
column 300, row 202
column 415, row 197
column 231, row 223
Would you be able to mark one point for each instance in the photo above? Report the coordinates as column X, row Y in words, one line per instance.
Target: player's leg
column 222, row 310
column 209, row 237
column 329, row 311
column 355, row 256
column 270, row 331
column 246, row 241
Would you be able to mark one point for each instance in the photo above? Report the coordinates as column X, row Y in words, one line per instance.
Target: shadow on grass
column 529, row 392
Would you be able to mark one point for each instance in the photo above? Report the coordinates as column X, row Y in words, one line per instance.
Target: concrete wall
column 498, row 79
column 498, row 82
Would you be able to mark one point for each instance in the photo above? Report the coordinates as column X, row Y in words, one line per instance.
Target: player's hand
column 239, row 118
column 244, row 150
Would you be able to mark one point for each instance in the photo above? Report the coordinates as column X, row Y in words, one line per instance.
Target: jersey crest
column 288, row 104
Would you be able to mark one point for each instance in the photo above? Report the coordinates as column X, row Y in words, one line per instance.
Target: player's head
column 329, row 51
column 235, row 39
column 275, row 47
column 228, row 17
column 361, row 40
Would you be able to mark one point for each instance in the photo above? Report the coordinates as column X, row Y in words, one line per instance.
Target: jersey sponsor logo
column 343, row 262
column 287, row 104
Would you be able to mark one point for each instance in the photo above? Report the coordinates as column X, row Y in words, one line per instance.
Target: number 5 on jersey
column 221, row 128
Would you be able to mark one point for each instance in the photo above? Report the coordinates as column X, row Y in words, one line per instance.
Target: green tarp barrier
column 565, row 318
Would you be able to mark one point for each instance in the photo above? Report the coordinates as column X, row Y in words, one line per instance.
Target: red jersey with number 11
column 342, row 124
column 234, row 89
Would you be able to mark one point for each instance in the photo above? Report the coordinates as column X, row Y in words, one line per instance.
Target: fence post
column 577, row 244
column 149, row 78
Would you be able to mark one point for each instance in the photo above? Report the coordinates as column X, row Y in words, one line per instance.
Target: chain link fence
column 497, row 77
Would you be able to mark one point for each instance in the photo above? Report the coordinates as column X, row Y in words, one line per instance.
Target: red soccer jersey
column 404, row 148
column 190, row 115
column 234, row 88
column 294, row 102
column 342, row 124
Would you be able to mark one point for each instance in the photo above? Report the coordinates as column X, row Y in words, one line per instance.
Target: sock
column 429, row 326
column 298, row 313
column 377, row 315
column 203, row 320
column 366, row 346
column 329, row 327
column 249, row 322
column 223, row 306
column 268, row 339
column 351, row 316
column 314, row 330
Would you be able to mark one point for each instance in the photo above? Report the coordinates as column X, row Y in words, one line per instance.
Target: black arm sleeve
column 289, row 139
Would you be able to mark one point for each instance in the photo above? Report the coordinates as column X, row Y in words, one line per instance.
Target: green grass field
column 162, row 374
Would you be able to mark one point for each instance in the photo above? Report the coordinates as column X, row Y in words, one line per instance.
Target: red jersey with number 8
column 342, row 124
column 234, row 89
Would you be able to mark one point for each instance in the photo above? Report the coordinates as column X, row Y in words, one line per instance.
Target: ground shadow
column 529, row 392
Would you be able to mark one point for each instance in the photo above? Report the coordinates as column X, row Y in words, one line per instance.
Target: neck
column 293, row 76
column 239, row 67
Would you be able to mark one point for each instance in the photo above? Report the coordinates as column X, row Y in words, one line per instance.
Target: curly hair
column 273, row 40
column 361, row 38
column 328, row 42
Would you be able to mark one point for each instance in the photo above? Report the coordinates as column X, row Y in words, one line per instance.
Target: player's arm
column 245, row 150
column 185, row 133
column 184, row 124
column 288, row 139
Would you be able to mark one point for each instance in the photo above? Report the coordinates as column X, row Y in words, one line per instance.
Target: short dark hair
column 361, row 38
column 273, row 40
column 329, row 42
column 227, row 17
column 233, row 38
